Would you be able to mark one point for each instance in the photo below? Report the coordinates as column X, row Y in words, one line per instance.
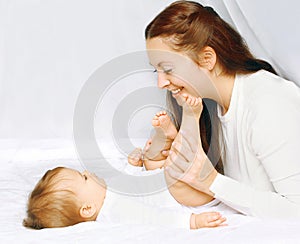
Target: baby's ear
column 88, row 210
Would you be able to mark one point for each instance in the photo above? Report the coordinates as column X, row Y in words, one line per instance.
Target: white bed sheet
column 22, row 163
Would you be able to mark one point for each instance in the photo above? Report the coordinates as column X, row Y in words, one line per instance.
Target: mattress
column 22, row 163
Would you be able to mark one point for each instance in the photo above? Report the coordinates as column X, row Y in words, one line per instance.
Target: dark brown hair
column 189, row 27
column 50, row 206
column 192, row 27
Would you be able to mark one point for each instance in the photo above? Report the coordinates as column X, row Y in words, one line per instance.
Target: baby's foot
column 165, row 132
column 191, row 105
column 162, row 121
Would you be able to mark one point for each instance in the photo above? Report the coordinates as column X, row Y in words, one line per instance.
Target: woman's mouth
column 176, row 91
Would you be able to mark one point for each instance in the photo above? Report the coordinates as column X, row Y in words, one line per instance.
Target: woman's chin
column 176, row 95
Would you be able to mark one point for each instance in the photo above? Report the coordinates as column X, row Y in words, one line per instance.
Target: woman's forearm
column 254, row 202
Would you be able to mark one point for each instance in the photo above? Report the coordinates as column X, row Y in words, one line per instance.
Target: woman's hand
column 188, row 162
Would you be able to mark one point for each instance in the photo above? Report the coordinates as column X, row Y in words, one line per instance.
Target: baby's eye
column 155, row 71
column 85, row 177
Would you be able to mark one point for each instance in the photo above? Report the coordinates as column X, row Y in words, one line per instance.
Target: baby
column 165, row 132
column 65, row 197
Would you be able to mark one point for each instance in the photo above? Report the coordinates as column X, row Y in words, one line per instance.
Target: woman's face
column 176, row 72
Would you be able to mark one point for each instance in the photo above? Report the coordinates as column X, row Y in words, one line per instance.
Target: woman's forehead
column 157, row 43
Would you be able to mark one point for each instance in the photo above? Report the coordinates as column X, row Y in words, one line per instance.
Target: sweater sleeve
column 253, row 202
column 274, row 139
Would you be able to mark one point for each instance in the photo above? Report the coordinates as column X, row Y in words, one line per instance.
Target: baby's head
column 64, row 197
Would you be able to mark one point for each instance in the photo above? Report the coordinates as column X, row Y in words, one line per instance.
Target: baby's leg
column 165, row 132
column 191, row 110
column 183, row 193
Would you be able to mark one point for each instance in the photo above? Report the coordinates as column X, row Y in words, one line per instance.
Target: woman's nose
column 162, row 81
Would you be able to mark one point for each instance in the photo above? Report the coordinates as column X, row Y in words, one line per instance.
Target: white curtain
column 49, row 49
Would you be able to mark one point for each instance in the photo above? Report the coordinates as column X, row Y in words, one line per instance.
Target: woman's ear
column 207, row 58
column 88, row 210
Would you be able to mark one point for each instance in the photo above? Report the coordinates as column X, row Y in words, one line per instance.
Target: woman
column 258, row 113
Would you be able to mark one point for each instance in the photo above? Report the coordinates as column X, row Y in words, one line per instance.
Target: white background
column 49, row 48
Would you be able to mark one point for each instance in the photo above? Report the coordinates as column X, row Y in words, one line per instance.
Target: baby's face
column 87, row 187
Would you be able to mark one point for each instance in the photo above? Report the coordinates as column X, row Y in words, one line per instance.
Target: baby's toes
column 155, row 121
column 190, row 100
column 160, row 113
column 193, row 101
column 198, row 101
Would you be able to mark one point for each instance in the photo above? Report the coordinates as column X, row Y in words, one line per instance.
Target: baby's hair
column 51, row 206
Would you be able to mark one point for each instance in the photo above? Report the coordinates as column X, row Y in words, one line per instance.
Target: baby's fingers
column 134, row 158
column 216, row 221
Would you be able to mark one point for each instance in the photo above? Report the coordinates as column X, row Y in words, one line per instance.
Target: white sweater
column 261, row 131
column 159, row 209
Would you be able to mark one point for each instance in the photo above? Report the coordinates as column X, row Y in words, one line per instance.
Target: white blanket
column 23, row 163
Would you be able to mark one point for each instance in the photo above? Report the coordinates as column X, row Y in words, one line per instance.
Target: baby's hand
column 207, row 219
column 135, row 157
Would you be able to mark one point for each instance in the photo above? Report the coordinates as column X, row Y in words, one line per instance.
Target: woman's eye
column 167, row 71
column 164, row 70
column 85, row 177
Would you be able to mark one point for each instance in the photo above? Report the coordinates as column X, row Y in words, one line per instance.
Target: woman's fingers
column 184, row 150
column 179, row 161
column 174, row 172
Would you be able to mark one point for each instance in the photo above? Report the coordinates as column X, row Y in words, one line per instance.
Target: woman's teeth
column 176, row 91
